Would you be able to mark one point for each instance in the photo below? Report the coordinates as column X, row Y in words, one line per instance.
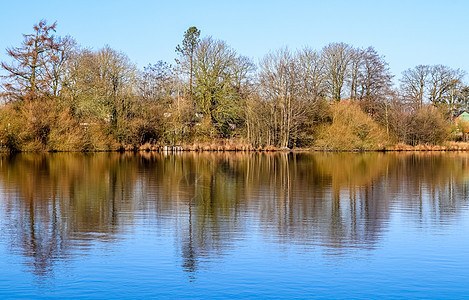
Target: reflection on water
column 56, row 206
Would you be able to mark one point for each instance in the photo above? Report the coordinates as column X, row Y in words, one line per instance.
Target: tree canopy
column 59, row 95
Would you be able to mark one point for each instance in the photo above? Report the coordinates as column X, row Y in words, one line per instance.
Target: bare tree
column 156, row 83
column 243, row 69
column 101, row 84
column 453, row 97
column 337, row 58
column 279, row 73
column 413, row 84
column 438, row 83
column 258, row 121
column 443, row 82
column 374, row 80
column 464, row 98
column 356, row 62
column 57, row 70
column 313, row 76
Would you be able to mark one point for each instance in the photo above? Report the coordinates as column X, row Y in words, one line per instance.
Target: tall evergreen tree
column 187, row 50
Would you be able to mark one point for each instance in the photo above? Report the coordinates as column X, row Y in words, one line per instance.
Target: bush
column 98, row 138
column 351, row 129
column 426, row 126
column 39, row 126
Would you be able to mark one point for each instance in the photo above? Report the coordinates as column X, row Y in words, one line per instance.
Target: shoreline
column 447, row 147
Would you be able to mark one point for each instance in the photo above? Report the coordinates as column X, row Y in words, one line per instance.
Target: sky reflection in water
column 277, row 225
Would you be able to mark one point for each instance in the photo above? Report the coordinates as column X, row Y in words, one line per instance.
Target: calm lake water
column 234, row 225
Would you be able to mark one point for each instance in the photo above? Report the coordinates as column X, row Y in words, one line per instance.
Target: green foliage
column 63, row 98
column 216, row 76
column 190, row 42
column 458, row 131
column 187, row 52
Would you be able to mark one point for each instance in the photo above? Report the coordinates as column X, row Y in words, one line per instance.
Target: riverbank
column 447, row 146
column 227, row 147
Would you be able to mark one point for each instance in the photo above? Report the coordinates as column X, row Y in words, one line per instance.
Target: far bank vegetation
column 59, row 96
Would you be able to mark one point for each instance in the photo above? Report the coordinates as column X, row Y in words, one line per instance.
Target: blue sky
column 407, row 33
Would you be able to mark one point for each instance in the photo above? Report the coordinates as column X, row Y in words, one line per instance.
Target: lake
column 234, row 225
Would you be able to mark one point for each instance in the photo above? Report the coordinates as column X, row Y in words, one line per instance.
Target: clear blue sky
column 407, row 33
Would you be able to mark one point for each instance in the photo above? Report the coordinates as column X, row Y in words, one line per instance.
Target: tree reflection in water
column 56, row 206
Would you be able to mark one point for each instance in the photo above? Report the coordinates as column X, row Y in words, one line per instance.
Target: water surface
column 234, row 225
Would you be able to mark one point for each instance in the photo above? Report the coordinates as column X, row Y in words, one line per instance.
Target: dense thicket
column 58, row 96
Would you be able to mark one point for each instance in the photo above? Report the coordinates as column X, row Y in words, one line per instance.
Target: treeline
column 59, row 96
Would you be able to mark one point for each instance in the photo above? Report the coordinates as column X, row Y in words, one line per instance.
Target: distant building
column 463, row 117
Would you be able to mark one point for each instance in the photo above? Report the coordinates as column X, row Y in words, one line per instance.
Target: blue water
column 321, row 226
